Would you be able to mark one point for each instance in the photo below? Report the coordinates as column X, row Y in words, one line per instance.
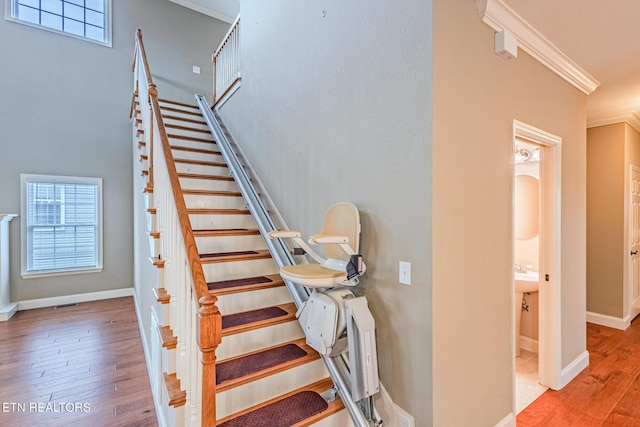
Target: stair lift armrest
column 322, row 239
column 295, row 236
column 284, row 234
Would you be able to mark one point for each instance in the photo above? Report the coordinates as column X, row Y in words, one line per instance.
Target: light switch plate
column 405, row 273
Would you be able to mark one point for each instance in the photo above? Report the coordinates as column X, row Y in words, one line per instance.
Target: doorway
column 547, row 149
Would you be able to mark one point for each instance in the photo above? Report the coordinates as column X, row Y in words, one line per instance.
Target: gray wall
column 64, row 109
column 335, row 105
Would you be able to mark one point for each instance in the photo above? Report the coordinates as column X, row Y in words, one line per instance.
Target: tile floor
column 527, row 387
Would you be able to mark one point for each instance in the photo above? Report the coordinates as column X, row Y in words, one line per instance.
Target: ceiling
column 603, row 38
column 224, row 10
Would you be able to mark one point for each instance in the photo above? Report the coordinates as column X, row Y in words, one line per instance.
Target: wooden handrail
column 227, row 36
column 209, row 325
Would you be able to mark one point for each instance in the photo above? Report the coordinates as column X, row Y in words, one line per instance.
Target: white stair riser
column 154, row 247
column 193, row 144
column 219, row 271
column 168, row 360
column 236, row 303
column 149, row 201
column 255, row 339
column 194, row 155
column 177, row 122
column 208, row 222
column 208, row 245
column 191, row 132
column 202, row 169
column 339, row 419
column 208, row 184
column 238, row 398
column 205, row 201
column 166, row 112
column 152, row 223
column 190, row 108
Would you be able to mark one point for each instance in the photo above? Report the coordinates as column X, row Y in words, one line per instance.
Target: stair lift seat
column 340, row 239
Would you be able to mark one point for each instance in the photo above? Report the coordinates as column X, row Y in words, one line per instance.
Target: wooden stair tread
column 166, row 335
column 191, row 138
column 162, row 296
column 200, row 162
column 226, row 287
column 234, row 256
column 157, row 262
column 195, row 150
column 183, row 119
column 188, row 128
column 207, row 211
column 226, row 232
column 177, row 396
column 243, row 418
column 169, row 101
column 202, row 176
column 213, row 193
column 255, row 319
column 179, row 110
column 252, row 366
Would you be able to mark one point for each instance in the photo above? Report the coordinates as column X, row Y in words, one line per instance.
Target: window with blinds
column 85, row 19
column 61, row 224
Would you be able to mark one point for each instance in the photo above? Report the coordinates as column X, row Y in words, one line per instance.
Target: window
column 85, row 19
column 61, row 225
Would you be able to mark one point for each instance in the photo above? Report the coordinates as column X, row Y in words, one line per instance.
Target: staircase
column 266, row 375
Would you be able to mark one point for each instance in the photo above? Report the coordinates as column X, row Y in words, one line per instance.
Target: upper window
column 85, row 19
column 61, row 224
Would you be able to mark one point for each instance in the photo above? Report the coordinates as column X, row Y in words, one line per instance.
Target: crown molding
column 499, row 16
column 206, row 10
column 613, row 116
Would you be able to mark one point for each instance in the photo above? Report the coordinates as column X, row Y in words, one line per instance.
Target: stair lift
column 333, row 318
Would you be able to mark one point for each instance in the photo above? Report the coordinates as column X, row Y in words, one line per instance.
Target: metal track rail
column 280, row 252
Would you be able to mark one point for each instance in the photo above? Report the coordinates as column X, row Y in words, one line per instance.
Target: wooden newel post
column 209, row 337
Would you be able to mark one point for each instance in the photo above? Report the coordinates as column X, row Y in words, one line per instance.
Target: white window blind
column 62, row 224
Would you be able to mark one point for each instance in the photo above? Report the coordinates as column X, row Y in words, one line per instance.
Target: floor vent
column 65, row 305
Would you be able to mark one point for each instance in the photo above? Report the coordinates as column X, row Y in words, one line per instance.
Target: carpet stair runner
column 266, row 374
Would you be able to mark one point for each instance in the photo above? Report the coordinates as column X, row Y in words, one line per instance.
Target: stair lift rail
column 362, row 412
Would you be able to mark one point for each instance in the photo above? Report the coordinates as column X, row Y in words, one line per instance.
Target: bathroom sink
column 527, row 282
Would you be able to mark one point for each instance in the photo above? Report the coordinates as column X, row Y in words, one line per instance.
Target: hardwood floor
column 606, row 393
column 75, row 366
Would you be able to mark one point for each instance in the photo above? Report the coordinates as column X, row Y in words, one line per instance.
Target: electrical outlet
column 196, row 69
column 405, row 419
column 405, row 273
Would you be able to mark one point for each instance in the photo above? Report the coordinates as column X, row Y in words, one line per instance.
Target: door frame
column 632, row 307
column 549, row 294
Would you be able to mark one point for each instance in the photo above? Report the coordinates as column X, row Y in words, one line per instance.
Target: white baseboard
column 574, row 368
column 528, row 344
column 72, row 299
column 508, row 421
column 621, row 323
column 7, row 311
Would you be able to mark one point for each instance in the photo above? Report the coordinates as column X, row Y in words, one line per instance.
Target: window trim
column 108, row 12
column 23, row 224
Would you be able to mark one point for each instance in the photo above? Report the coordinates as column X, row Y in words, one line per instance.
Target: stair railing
column 267, row 219
column 193, row 314
column 226, row 64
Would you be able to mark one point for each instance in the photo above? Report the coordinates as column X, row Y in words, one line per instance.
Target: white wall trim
column 206, row 10
column 621, row 323
column 574, row 368
column 500, row 17
column 528, row 344
column 508, row 421
column 72, row 299
column 609, row 117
